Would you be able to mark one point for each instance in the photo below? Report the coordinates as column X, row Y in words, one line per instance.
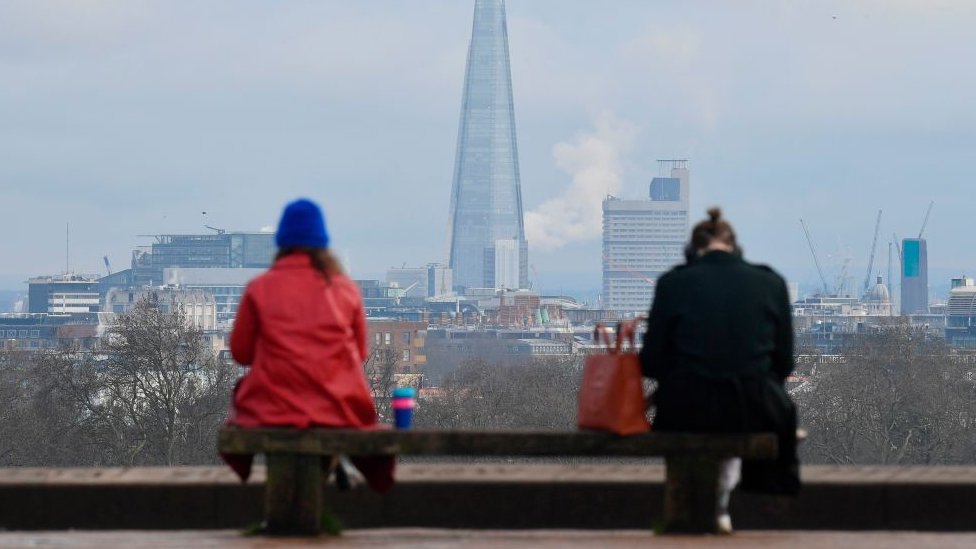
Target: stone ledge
column 485, row 495
column 482, row 539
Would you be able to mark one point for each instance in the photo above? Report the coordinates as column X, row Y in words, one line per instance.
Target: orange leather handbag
column 612, row 396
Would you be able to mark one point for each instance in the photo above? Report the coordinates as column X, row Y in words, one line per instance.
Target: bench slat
column 328, row 442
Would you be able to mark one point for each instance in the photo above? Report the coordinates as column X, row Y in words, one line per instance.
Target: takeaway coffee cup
column 404, row 402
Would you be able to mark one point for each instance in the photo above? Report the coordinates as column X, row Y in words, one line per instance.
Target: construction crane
column 816, row 260
column 874, row 246
column 897, row 249
column 636, row 274
column 891, row 288
column 108, row 266
column 842, row 279
column 926, row 220
column 410, row 287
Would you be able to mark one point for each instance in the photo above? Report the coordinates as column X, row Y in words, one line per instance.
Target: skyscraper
column 644, row 238
column 914, row 276
column 486, row 197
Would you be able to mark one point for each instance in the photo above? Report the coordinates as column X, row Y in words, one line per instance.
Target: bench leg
column 293, row 494
column 691, row 494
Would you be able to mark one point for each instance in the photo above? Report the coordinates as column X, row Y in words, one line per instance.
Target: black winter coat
column 719, row 342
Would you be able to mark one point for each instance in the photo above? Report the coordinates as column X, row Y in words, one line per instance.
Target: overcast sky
column 128, row 117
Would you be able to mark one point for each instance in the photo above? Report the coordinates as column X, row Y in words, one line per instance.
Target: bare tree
column 895, row 397
column 535, row 394
column 14, row 399
column 46, row 421
column 380, row 369
column 163, row 391
column 154, row 393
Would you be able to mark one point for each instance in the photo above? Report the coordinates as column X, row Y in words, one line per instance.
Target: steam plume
column 594, row 162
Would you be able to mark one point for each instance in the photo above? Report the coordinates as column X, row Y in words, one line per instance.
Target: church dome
column 878, row 293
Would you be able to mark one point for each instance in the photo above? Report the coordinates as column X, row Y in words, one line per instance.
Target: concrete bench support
column 293, row 494
column 690, row 494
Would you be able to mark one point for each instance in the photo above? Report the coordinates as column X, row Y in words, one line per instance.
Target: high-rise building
column 914, row 276
column 644, row 238
column 486, row 197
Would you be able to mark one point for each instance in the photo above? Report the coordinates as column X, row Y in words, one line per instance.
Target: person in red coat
column 301, row 328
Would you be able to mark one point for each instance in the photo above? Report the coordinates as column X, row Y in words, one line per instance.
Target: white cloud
column 594, row 160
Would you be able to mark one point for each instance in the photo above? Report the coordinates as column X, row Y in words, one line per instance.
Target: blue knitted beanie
column 302, row 225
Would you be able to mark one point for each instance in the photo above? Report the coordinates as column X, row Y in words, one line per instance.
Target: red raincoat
column 305, row 340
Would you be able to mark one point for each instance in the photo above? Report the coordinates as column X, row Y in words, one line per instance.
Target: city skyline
column 827, row 112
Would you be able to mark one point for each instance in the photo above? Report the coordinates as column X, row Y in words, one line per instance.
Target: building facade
column 219, row 250
column 37, row 331
column 63, row 294
column 226, row 285
column 960, row 312
column 486, row 195
column 644, row 238
column 433, row 280
column 914, row 276
column 404, row 339
column 197, row 306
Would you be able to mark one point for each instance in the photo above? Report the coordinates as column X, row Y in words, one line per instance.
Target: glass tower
column 486, row 197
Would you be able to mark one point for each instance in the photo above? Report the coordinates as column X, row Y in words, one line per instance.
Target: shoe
column 723, row 524
column 347, row 477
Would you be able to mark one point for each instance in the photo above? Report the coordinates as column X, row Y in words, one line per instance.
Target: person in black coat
column 719, row 342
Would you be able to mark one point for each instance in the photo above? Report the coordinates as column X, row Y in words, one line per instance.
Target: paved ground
column 422, row 538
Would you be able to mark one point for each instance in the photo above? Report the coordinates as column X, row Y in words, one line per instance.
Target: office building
column 914, row 276
column 960, row 330
column 379, row 296
column 644, row 238
column 219, row 250
column 197, row 306
column 36, row 331
column 502, row 264
column 486, row 196
column 63, row 294
column 433, row 280
column 226, row 285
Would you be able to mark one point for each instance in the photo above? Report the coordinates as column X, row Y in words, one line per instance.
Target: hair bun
column 714, row 214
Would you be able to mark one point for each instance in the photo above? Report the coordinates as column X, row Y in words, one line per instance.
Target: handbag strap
column 601, row 335
column 627, row 333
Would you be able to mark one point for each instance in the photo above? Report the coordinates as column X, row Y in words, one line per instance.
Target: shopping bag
column 611, row 397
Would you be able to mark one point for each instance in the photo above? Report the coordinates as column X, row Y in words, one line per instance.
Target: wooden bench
column 294, row 498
